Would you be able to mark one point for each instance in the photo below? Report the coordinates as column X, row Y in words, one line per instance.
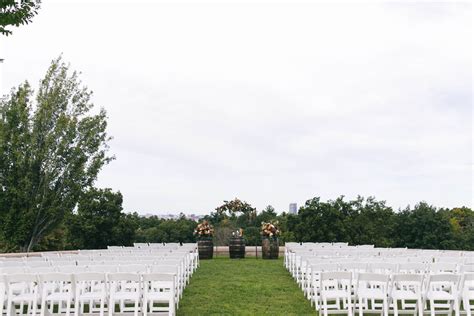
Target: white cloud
column 270, row 103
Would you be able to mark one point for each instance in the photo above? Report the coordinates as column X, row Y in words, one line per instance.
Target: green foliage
column 425, row 227
column 252, row 236
column 156, row 230
column 461, row 221
column 99, row 221
column 51, row 150
column 249, row 286
column 16, row 13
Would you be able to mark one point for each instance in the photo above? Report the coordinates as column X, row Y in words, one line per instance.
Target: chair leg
column 9, row 307
column 432, row 308
column 457, row 307
column 420, row 307
column 467, row 306
column 170, row 307
column 35, row 306
column 102, row 307
column 385, row 307
column 111, row 307
column 395, row 308
column 145, row 307
column 68, row 307
column 43, row 306
column 76, row 306
column 136, row 307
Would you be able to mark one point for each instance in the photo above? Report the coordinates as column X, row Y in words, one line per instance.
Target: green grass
column 222, row 286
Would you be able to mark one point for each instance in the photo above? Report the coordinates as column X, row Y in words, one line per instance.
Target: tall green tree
column 424, row 226
column 16, row 13
column 99, row 221
column 51, row 149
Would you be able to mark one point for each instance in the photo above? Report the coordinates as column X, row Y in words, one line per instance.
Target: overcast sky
column 271, row 103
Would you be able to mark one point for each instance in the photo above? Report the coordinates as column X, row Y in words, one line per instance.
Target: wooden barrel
column 205, row 248
column 270, row 248
column 237, row 248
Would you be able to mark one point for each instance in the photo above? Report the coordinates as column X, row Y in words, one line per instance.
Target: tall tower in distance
column 293, row 208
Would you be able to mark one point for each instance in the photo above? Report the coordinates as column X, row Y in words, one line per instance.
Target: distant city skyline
column 270, row 103
column 293, row 208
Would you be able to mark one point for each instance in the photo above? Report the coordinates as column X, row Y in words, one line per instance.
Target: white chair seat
column 468, row 294
column 371, row 293
column 439, row 295
column 23, row 297
column 57, row 297
column 403, row 295
column 126, row 295
column 329, row 294
column 159, row 296
column 91, row 296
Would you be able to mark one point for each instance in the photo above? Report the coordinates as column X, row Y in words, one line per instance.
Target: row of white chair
column 303, row 272
column 383, row 293
column 63, row 293
column 177, row 260
column 307, row 263
column 297, row 260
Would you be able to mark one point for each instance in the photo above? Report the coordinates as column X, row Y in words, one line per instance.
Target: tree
column 371, row 222
column 322, row 221
column 99, row 221
column 16, row 13
column 51, row 150
column 423, row 227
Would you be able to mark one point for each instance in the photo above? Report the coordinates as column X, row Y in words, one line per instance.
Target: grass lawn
column 222, row 286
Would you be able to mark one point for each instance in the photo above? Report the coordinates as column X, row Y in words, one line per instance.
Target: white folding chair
column 174, row 270
column 313, row 291
column 407, row 287
column 354, row 267
column 37, row 264
column 90, row 289
column 466, row 290
column 336, row 292
column 133, row 268
column 15, row 270
column 22, row 290
column 412, row 268
column 56, row 288
column 383, row 267
column 12, row 263
column 42, row 270
column 443, row 267
column 124, row 289
column 72, row 269
column 3, row 289
column 442, row 293
column 158, row 289
column 59, row 263
column 103, row 268
column 372, row 293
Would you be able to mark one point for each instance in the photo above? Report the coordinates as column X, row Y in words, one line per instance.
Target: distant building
column 293, row 208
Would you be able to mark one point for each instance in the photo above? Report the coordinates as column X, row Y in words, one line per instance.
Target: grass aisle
column 243, row 287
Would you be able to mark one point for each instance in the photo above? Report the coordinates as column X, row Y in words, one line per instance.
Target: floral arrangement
column 270, row 229
column 238, row 233
column 235, row 206
column 204, row 229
